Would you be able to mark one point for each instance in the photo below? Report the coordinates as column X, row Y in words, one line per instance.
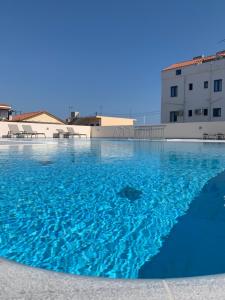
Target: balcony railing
column 140, row 132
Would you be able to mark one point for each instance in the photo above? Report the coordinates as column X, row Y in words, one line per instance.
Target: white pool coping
column 18, row 281
column 47, row 141
column 195, row 140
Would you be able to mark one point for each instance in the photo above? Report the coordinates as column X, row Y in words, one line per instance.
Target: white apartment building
column 194, row 90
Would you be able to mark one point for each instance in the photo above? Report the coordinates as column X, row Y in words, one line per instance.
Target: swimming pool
column 109, row 208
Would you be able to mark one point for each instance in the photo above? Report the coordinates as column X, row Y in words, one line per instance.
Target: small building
column 5, row 112
column 37, row 117
column 103, row 121
column 194, row 90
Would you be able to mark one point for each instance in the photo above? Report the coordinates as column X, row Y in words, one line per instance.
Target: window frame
column 218, row 109
column 174, row 91
column 205, row 112
column 178, row 72
column 206, row 84
column 218, row 85
column 198, row 111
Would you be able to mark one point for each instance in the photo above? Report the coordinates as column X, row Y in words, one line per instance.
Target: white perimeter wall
column 48, row 129
column 173, row 131
column 193, row 130
column 112, row 131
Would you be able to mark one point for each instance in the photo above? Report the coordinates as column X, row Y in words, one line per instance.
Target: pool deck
column 21, row 282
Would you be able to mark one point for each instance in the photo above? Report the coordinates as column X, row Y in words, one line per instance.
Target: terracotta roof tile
column 26, row 116
column 195, row 61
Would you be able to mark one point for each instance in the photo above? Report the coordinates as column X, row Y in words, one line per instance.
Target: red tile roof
column 27, row 116
column 196, row 61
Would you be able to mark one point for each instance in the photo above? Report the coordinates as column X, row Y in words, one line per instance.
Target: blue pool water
column 98, row 207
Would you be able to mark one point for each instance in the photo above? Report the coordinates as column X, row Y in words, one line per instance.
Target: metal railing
column 139, row 132
column 149, row 132
column 123, row 132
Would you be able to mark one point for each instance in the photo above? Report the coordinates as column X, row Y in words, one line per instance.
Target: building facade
column 194, row 90
column 103, row 121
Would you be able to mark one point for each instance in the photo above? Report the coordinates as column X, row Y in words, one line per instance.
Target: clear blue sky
column 99, row 54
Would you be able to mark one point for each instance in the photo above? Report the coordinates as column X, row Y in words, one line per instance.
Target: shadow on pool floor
column 196, row 244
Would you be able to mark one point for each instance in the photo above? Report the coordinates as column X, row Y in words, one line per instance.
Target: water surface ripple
column 97, row 207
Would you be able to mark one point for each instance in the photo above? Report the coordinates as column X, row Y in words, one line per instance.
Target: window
column 178, row 72
column 216, row 112
column 190, row 86
column 205, row 111
column 190, row 113
column 198, row 112
column 174, row 91
column 206, row 84
column 218, row 85
column 174, row 115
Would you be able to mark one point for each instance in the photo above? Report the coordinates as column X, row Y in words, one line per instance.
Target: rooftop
column 115, row 117
column 25, row 116
column 5, row 106
column 28, row 115
column 196, row 61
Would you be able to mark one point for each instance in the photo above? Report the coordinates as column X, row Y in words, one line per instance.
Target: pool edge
column 18, row 280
